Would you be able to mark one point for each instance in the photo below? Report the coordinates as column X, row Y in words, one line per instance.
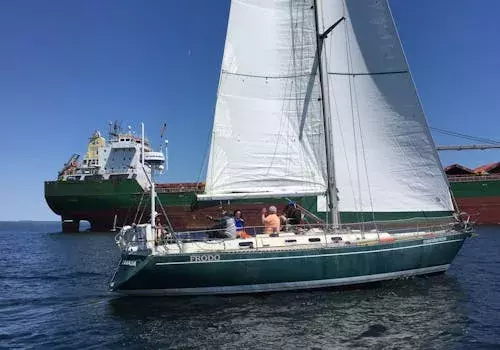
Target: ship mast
column 332, row 198
column 151, row 180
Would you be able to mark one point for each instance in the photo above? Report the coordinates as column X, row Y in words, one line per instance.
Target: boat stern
column 128, row 267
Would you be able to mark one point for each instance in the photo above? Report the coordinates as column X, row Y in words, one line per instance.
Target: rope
column 166, row 217
column 353, row 115
column 319, row 220
column 143, row 210
column 138, row 208
column 464, row 136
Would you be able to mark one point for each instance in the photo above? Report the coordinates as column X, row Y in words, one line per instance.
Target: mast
column 153, row 195
column 142, row 145
column 151, row 181
column 327, row 120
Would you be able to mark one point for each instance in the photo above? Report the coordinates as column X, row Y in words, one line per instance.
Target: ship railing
column 473, row 178
column 179, row 189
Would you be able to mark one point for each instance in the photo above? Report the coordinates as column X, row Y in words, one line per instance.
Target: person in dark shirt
column 293, row 215
column 225, row 228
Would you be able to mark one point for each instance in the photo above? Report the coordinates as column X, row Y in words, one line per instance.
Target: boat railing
column 136, row 239
column 254, row 232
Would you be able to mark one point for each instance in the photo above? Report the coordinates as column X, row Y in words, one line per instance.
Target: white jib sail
column 268, row 132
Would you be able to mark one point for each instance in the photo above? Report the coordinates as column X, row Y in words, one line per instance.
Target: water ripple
column 53, row 294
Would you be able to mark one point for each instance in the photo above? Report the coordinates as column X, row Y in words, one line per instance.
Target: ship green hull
column 479, row 197
column 100, row 202
column 265, row 271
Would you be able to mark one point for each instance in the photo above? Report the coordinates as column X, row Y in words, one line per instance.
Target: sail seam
column 369, row 73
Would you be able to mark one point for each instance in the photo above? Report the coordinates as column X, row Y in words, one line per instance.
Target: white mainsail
column 268, row 132
column 268, row 135
column 385, row 158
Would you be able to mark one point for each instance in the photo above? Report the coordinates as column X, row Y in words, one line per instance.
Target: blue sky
column 69, row 67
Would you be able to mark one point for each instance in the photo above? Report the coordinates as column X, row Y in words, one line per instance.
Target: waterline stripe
column 297, row 256
column 287, row 286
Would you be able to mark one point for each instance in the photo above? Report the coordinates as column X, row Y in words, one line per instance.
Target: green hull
column 264, row 271
column 475, row 188
column 478, row 196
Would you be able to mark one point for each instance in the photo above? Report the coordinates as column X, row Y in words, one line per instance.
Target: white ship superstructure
column 119, row 157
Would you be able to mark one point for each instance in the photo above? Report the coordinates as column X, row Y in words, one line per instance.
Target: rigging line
column 165, row 214
column 293, row 84
column 267, row 76
column 299, row 55
column 204, row 161
column 287, row 91
column 307, row 212
column 342, row 137
column 126, row 216
column 279, row 135
column 490, row 142
column 370, row 196
column 356, row 155
column 370, row 73
column 211, row 135
column 460, row 135
column 138, row 208
column 302, row 88
column 292, row 33
column 471, row 138
column 142, row 213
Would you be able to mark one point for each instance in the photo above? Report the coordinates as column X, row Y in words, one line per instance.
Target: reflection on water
column 391, row 314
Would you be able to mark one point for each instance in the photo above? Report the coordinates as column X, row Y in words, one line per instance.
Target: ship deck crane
column 69, row 163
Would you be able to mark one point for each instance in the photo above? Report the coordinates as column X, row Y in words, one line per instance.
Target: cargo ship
column 477, row 191
column 109, row 189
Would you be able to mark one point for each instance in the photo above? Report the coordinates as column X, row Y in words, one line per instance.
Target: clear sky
column 69, row 67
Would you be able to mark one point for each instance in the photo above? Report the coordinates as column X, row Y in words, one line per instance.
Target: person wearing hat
column 293, row 215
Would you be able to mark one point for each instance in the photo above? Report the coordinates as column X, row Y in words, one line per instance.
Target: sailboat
column 315, row 99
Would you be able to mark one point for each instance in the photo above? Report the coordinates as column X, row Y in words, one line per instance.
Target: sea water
column 54, row 295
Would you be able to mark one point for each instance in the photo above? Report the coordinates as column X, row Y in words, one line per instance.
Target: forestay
column 268, row 134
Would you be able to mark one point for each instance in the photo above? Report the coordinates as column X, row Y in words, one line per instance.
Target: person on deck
column 226, row 227
column 160, row 230
column 271, row 222
column 240, row 225
column 293, row 215
column 238, row 220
